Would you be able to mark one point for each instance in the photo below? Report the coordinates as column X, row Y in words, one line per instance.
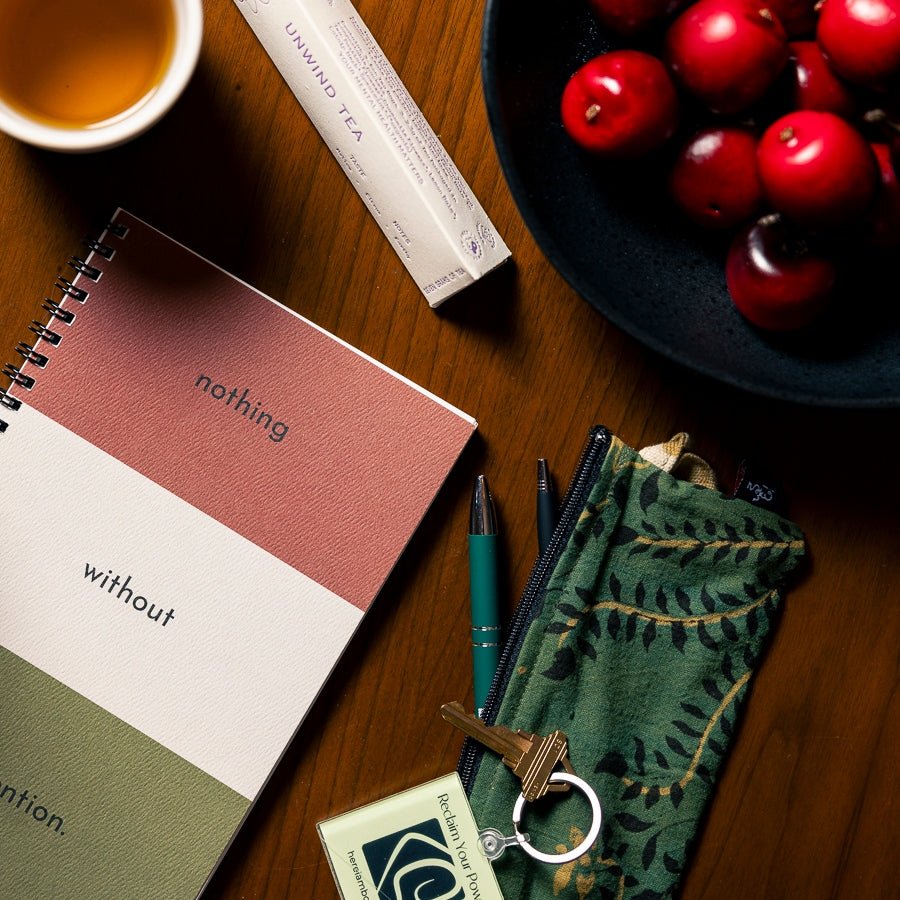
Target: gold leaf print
column 583, row 884
column 685, row 779
column 563, row 874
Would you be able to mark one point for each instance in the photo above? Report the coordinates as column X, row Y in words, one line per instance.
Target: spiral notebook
column 222, row 488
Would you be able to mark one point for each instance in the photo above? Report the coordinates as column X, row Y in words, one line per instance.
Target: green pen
column 484, row 591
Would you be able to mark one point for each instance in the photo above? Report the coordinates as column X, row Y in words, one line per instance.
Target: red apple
column 817, row 169
column 861, row 39
column 815, row 86
column 727, row 52
column 774, row 279
column 714, row 180
column 620, row 104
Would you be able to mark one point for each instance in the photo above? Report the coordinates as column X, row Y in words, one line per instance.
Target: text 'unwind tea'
column 82, row 63
column 372, row 126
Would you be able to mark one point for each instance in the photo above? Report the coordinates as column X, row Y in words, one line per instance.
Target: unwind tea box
column 387, row 149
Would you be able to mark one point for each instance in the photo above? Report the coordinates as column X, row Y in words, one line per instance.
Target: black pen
column 546, row 506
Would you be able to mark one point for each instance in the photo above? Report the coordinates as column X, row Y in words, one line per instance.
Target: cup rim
column 185, row 55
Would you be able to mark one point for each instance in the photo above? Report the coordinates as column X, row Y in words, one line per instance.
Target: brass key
column 531, row 756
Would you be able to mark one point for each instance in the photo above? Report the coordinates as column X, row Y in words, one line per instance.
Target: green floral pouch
column 637, row 635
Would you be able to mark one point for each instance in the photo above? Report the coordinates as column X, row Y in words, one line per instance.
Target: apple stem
column 880, row 117
column 592, row 112
column 792, row 244
column 786, row 134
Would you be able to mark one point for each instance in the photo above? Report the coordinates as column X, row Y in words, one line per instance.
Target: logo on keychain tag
column 421, row 844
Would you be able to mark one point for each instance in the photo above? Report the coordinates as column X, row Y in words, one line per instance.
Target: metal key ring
column 589, row 838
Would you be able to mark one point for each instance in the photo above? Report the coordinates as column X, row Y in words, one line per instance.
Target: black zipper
column 573, row 502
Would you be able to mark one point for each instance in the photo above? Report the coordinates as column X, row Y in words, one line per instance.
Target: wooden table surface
column 808, row 805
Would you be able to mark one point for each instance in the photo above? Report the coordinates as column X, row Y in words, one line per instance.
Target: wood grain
column 808, row 806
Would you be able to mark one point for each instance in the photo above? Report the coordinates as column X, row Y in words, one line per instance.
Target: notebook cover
column 223, row 487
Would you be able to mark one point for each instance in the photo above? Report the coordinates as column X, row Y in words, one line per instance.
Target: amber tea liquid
column 82, row 63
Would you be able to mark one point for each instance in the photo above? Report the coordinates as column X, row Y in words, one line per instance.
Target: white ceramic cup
column 183, row 61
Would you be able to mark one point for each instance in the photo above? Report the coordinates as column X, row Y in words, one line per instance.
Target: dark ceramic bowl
column 611, row 233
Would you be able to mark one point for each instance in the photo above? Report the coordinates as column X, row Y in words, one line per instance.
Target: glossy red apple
column 815, row 86
column 817, row 169
column 886, row 210
column 620, row 104
column 714, row 180
column 861, row 39
column 727, row 52
column 628, row 17
column 775, row 280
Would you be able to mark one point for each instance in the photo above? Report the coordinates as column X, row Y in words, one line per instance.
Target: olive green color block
column 91, row 807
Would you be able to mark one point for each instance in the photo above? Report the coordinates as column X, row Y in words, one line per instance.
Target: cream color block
column 223, row 657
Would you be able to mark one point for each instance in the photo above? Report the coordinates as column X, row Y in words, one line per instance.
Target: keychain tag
column 422, row 843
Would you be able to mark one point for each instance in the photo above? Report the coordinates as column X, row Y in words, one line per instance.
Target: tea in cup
column 79, row 75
